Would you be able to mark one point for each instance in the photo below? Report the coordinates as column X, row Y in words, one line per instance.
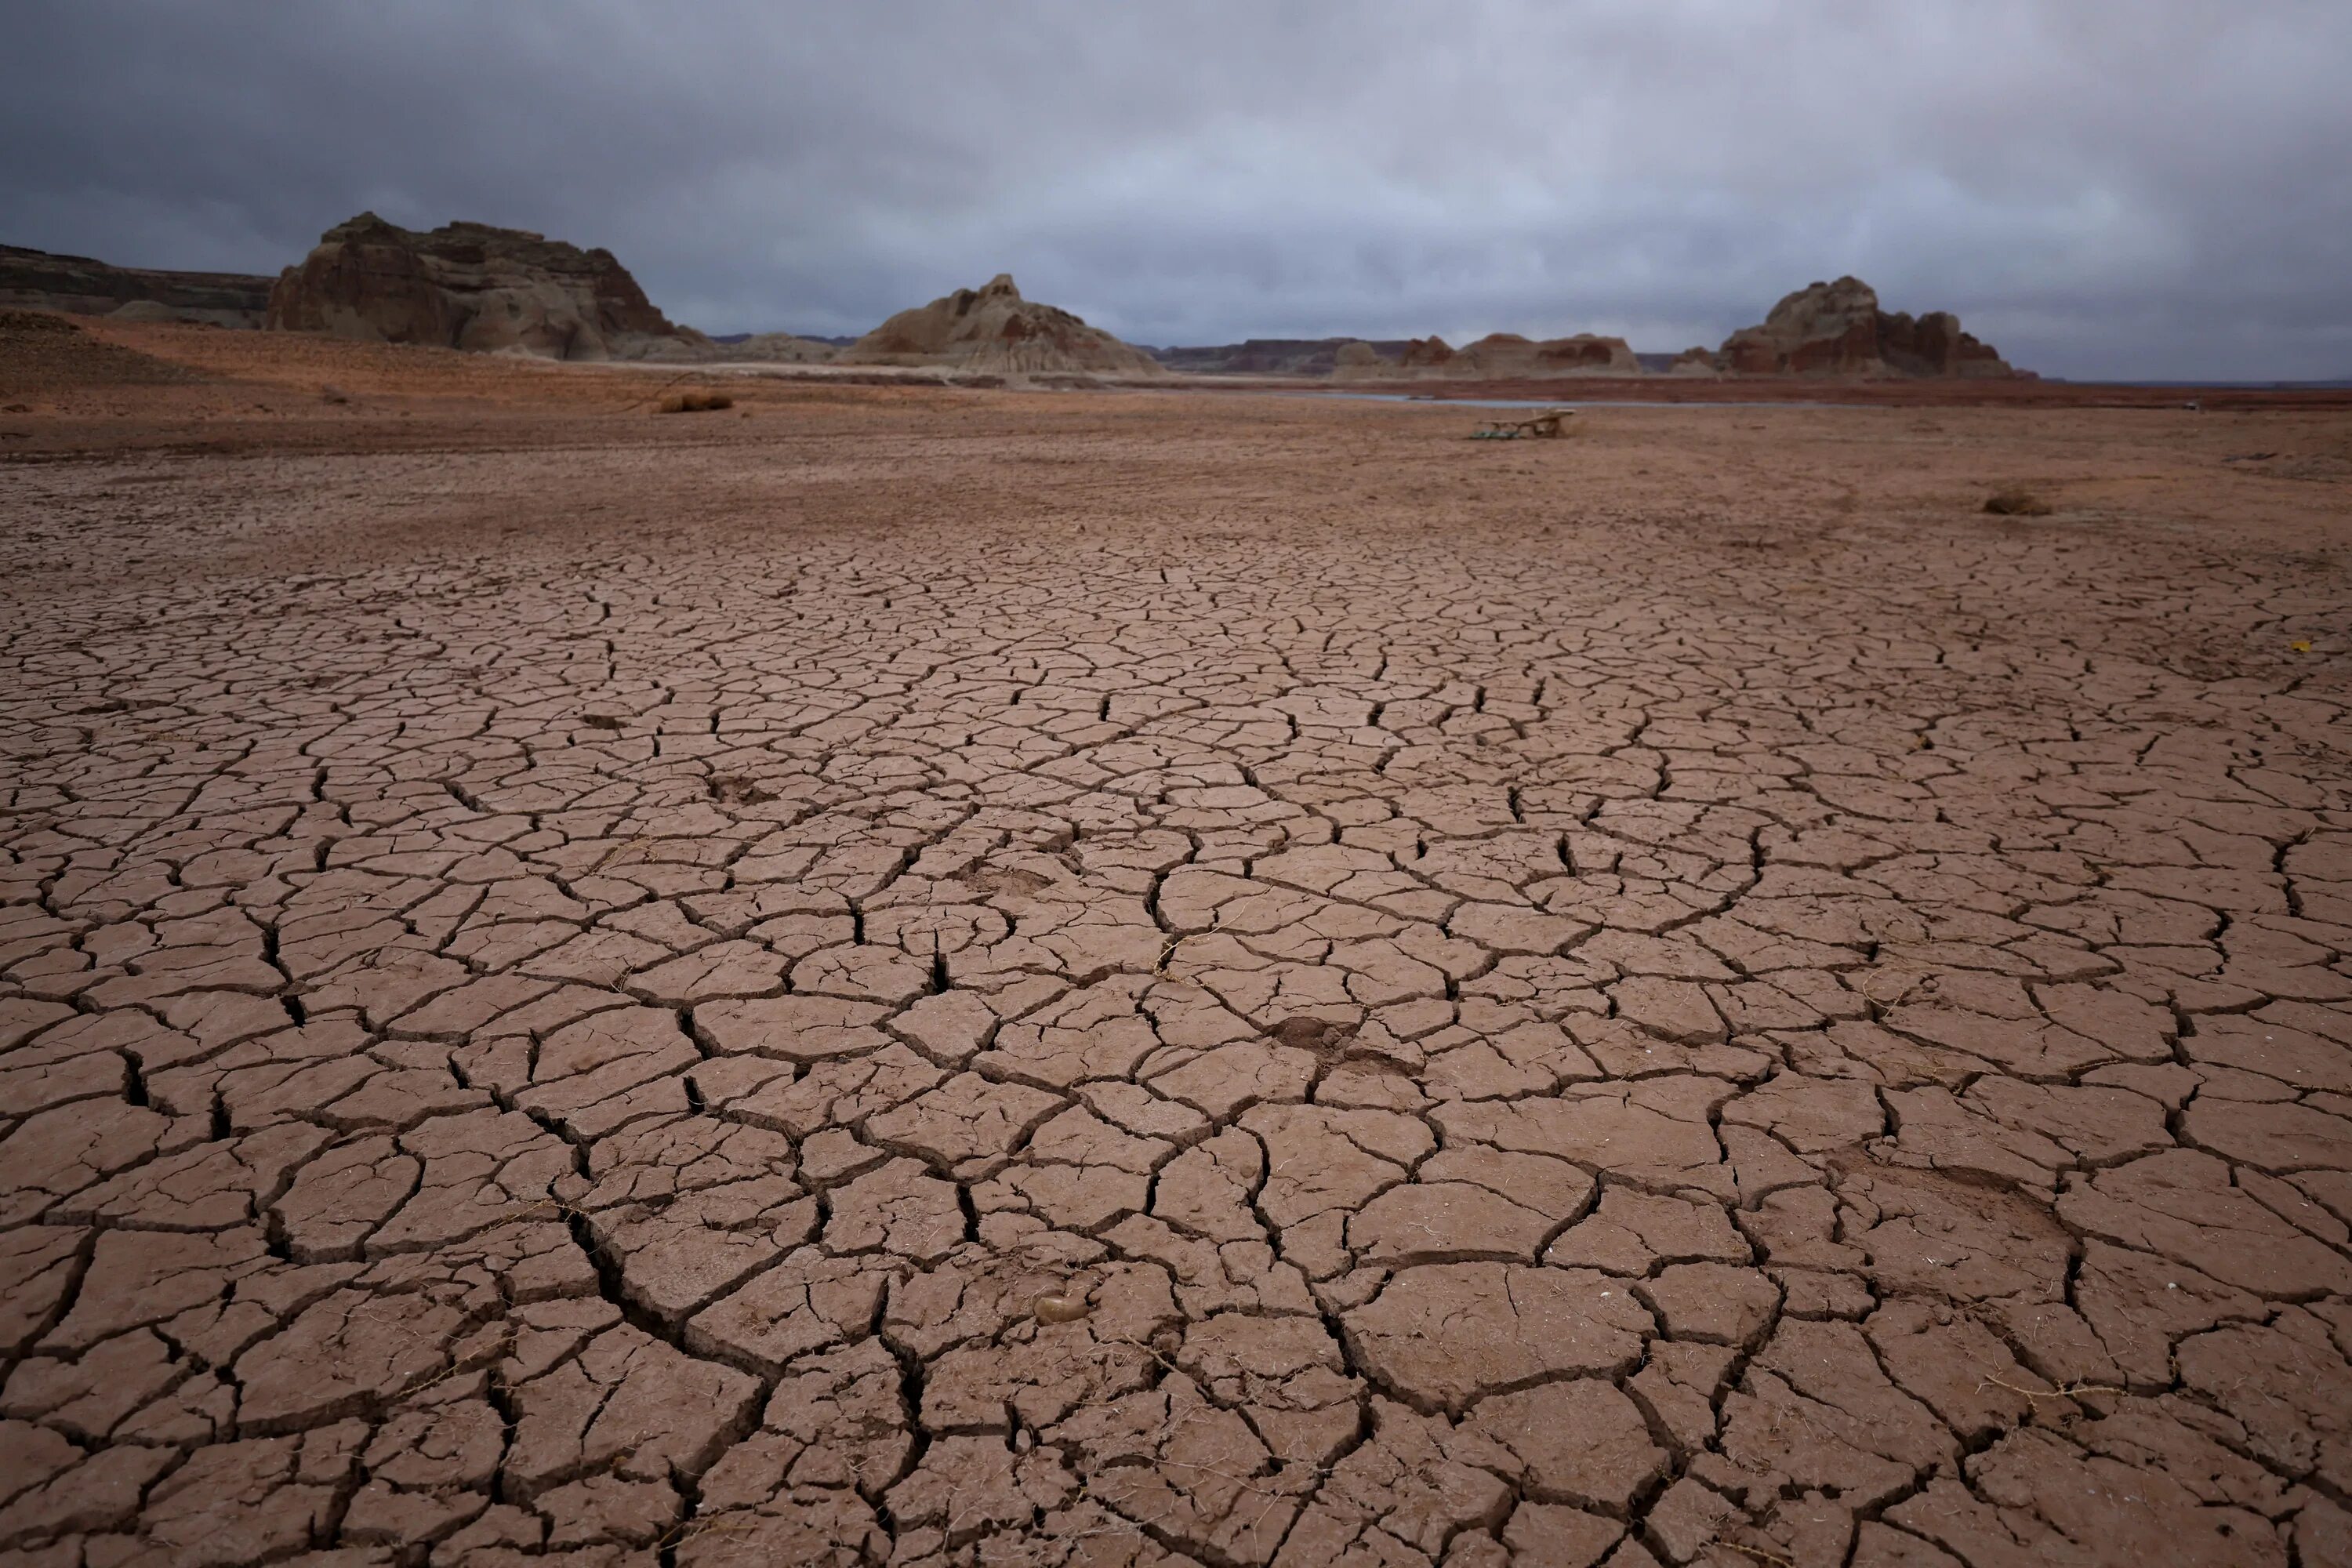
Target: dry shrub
column 2016, row 503
column 701, row 402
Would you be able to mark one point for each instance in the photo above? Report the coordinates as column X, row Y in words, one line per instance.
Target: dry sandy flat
column 1001, row 978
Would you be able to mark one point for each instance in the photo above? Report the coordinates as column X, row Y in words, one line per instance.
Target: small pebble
column 1056, row 1309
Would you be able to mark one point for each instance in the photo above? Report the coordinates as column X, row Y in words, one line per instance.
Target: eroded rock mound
column 84, row 287
column 995, row 328
column 1837, row 329
column 471, row 286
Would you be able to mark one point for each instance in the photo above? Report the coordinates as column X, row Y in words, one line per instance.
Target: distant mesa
column 471, row 286
column 820, row 340
column 1507, row 354
column 1498, row 357
column 1273, row 356
column 82, row 287
column 1363, row 360
column 775, row 348
column 1838, row 330
column 995, row 329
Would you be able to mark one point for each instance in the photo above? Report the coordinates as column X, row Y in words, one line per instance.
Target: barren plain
column 991, row 977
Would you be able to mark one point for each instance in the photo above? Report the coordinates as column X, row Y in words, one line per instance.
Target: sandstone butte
column 995, row 329
column 471, row 286
column 1837, row 329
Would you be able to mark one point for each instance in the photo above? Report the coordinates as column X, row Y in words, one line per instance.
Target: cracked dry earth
column 1037, row 995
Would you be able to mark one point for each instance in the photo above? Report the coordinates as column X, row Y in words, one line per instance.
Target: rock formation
column 778, row 348
column 1507, row 356
column 84, row 287
column 1837, row 329
column 1430, row 354
column 1418, row 359
column 995, row 329
column 1500, row 356
column 1278, row 356
column 1695, row 361
column 470, row 285
column 690, row 347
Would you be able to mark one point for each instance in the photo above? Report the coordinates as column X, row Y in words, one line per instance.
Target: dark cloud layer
column 2157, row 189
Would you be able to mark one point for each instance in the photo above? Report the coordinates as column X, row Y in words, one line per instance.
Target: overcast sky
column 2099, row 187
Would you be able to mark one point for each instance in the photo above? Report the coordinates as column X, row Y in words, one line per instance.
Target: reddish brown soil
column 983, row 977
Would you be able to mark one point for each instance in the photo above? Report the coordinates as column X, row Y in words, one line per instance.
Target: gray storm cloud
column 2160, row 189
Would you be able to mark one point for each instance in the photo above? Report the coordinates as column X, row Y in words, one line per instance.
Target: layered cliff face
column 1837, row 329
column 84, row 287
column 995, row 329
column 470, row 285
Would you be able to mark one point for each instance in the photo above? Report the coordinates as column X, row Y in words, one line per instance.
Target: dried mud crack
column 1125, row 981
